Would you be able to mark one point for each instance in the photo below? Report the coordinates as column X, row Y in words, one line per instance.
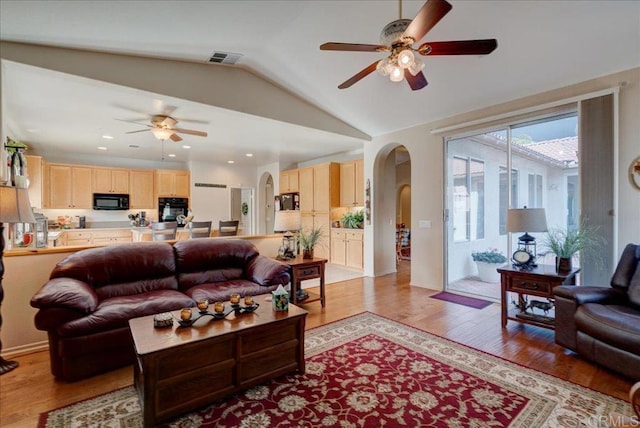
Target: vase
column 487, row 272
column 307, row 254
column 563, row 264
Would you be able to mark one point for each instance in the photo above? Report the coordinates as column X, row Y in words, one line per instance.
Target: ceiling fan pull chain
column 399, row 9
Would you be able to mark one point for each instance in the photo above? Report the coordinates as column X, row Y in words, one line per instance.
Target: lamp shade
column 162, row 133
column 15, row 206
column 287, row 221
column 526, row 220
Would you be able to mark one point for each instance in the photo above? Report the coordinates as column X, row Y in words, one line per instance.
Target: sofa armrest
column 588, row 294
column 66, row 293
column 568, row 299
column 265, row 271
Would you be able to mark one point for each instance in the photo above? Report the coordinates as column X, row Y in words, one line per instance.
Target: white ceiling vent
column 225, row 57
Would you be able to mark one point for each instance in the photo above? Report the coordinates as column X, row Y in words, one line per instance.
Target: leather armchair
column 602, row 324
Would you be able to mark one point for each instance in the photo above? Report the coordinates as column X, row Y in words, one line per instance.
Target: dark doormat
column 462, row 300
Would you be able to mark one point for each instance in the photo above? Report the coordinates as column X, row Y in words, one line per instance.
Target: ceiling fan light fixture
column 406, row 58
column 416, row 67
column 384, row 66
column 397, row 74
column 162, row 133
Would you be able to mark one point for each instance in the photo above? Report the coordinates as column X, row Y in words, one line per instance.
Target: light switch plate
column 424, row 224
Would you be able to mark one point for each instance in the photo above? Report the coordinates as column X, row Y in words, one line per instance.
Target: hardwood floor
column 30, row 390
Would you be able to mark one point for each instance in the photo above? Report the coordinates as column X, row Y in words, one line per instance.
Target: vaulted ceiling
column 541, row 46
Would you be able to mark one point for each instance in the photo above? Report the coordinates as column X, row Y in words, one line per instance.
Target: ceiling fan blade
column 430, row 14
column 175, row 137
column 335, row 46
column 190, row 132
column 459, row 47
column 364, row 73
column 134, row 132
column 137, row 122
column 416, row 82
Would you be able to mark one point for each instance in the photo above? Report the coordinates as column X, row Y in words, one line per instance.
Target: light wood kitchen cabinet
column 85, row 237
column 172, row 183
column 35, row 169
column 111, row 237
column 110, row 180
column 69, row 186
column 347, row 247
column 141, row 183
column 77, row 237
column 322, row 221
column 289, row 181
column 352, row 183
column 319, row 187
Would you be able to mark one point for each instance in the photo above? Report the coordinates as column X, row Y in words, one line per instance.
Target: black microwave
column 110, row 201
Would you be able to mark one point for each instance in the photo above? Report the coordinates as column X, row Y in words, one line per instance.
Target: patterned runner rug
column 369, row 371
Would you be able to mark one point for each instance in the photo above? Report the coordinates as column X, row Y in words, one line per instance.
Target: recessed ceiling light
column 171, row 155
column 230, row 161
column 102, row 148
column 34, row 130
column 249, row 155
column 186, row 147
column 107, row 137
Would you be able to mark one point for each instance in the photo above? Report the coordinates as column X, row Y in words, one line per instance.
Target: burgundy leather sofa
column 603, row 323
column 91, row 295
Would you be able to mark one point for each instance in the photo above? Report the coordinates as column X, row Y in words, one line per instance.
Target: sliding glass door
column 533, row 164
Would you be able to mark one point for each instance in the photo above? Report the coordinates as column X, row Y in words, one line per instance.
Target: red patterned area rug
column 369, row 371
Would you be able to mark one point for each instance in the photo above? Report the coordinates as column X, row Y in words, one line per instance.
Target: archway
column 392, row 172
column 265, row 208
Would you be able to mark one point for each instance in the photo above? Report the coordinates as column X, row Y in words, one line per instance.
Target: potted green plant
column 567, row 243
column 308, row 240
column 487, row 262
column 353, row 220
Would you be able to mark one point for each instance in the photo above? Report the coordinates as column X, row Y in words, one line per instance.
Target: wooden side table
column 539, row 282
column 303, row 269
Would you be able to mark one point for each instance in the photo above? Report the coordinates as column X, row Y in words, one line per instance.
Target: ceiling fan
column 398, row 38
column 163, row 128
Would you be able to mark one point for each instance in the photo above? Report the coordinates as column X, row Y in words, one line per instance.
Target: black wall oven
column 171, row 209
column 110, row 201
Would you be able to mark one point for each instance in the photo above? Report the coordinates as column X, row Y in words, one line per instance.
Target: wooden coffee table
column 180, row 369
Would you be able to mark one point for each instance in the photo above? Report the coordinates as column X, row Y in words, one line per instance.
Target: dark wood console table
column 539, row 282
column 303, row 269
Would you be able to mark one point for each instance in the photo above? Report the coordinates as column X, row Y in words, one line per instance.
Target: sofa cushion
column 67, row 293
column 210, row 260
column 122, row 270
column 634, row 286
column 115, row 312
column 220, row 291
column 627, row 266
column 266, row 271
column 617, row 325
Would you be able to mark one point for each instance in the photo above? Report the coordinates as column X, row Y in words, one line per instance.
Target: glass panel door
column 543, row 174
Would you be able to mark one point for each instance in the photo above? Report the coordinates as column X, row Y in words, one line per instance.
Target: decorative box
column 164, row 319
column 280, row 299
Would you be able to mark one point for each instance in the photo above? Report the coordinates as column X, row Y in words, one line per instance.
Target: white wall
column 212, row 203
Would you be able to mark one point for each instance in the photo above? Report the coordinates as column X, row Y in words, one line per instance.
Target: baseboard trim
column 17, row 351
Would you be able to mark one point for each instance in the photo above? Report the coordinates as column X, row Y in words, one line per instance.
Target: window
column 504, row 202
column 535, row 191
column 468, row 199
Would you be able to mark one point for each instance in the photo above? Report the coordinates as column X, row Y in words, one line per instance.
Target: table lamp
column 14, row 208
column 288, row 221
column 526, row 220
